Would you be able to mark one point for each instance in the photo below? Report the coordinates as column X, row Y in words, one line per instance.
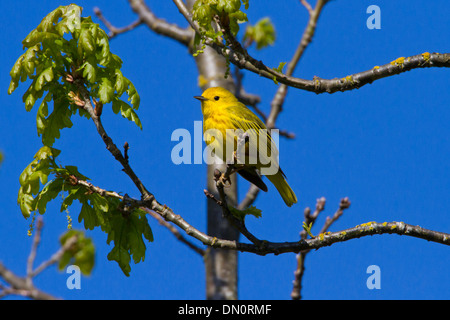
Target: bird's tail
column 283, row 188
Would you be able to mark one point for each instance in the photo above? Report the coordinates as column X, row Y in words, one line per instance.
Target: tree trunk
column 220, row 265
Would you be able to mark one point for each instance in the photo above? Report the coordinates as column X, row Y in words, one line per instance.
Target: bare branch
column 239, row 224
column 344, row 204
column 250, row 197
column 160, row 26
column 32, row 255
column 110, row 146
column 307, row 6
column 114, row 31
column 23, row 286
column 56, row 256
column 19, row 286
column 318, row 85
column 310, row 219
column 308, row 34
column 327, row 239
column 266, row 247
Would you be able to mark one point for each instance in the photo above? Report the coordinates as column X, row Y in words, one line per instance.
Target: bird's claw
column 225, row 180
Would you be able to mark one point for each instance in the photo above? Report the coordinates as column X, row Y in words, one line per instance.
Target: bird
column 224, row 114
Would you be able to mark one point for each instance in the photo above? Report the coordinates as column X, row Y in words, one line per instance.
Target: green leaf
column 240, row 214
column 280, row 67
column 71, row 19
column 29, row 98
column 128, row 234
column 42, row 113
column 88, row 215
column 99, row 203
column 228, row 6
column 106, row 91
column 133, row 96
column 55, row 122
column 16, row 69
column 104, row 55
column 36, row 37
column 280, row 70
column 86, row 40
column 121, row 83
column 48, row 193
column 126, row 111
column 89, row 70
column 25, row 202
column 72, row 170
column 13, row 86
column 81, row 254
column 32, row 176
column 46, row 152
column 307, row 228
column 48, row 23
column 122, row 257
column 262, row 33
column 43, row 77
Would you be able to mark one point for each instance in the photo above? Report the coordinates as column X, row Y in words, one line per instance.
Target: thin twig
column 23, row 286
column 32, row 255
column 56, row 256
column 307, row 6
column 176, row 233
column 239, row 224
column 114, row 31
column 250, row 197
column 320, row 206
column 308, row 34
column 344, row 204
column 310, row 219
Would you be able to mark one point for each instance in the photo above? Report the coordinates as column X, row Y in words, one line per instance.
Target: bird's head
column 216, row 97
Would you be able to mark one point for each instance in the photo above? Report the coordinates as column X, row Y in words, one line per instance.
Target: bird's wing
column 250, row 174
column 242, row 118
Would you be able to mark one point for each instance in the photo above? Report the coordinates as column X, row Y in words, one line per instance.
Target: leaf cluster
column 262, row 34
column 62, row 53
column 228, row 11
column 65, row 56
column 82, row 253
column 126, row 228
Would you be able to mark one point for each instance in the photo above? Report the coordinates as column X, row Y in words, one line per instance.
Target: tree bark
column 220, row 265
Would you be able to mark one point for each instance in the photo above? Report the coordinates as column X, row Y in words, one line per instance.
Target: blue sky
column 385, row 146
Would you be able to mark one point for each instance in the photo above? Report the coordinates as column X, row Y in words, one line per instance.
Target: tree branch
column 366, row 229
column 318, row 85
column 160, row 26
column 110, row 146
column 20, row 287
column 310, row 219
column 23, row 286
column 308, row 34
column 266, row 247
column 114, row 31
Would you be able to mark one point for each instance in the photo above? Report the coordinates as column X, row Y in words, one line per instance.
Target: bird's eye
column 216, row 98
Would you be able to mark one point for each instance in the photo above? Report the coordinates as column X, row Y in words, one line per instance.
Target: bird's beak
column 201, row 98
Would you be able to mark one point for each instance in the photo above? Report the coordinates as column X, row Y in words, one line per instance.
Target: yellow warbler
column 223, row 116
